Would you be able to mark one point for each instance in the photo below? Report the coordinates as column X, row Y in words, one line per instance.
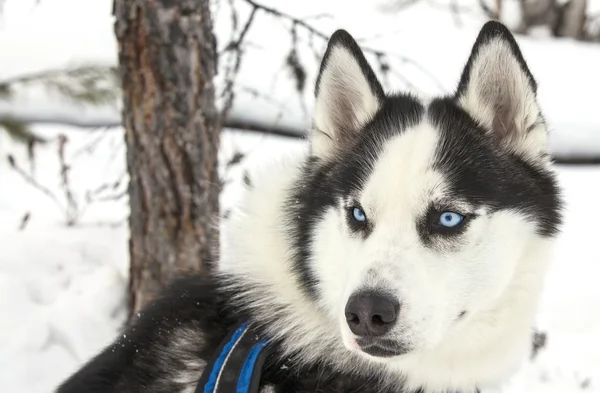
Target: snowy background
column 63, row 288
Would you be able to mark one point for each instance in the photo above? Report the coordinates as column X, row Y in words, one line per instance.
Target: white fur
column 344, row 103
column 497, row 80
column 495, row 275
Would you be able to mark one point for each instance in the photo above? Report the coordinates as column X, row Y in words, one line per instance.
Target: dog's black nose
column 371, row 313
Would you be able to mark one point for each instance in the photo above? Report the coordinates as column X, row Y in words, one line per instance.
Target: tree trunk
column 167, row 61
column 573, row 20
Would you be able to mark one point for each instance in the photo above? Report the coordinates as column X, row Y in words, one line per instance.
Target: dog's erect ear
column 499, row 92
column 347, row 95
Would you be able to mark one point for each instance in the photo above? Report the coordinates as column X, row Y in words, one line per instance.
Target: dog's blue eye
column 359, row 215
column 450, row 219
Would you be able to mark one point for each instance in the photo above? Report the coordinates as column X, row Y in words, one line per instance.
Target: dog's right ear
column 347, row 94
column 498, row 91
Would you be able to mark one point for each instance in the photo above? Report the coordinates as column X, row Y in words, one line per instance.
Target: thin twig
column 72, row 207
column 91, row 146
column 233, row 70
column 111, row 197
column 376, row 52
column 29, row 179
column 283, row 15
column 487, row 10
column 257, row 94
column 238, row 42
column 234, row 18
column 24, row 221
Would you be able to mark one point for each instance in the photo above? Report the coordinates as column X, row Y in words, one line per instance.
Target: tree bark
column 167, row 59
column 573, row 20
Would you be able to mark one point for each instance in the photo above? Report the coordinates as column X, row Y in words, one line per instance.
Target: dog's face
column 414, row 215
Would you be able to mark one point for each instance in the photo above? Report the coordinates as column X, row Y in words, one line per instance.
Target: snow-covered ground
column 62, row 289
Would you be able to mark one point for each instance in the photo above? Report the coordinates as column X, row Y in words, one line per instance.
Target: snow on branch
column 86, row 85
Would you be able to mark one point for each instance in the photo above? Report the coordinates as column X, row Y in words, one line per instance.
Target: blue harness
column 237, row 364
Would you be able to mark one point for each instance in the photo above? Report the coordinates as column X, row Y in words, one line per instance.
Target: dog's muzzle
column 371, row 314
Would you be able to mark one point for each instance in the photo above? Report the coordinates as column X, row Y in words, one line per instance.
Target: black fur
column 329, row 184
column 481, row 172
column 486, row 175
column 342, row 38
column 490, row 31
column 138, row 362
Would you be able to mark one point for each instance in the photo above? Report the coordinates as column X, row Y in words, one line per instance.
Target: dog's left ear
column 347, row 96
column 499, row 92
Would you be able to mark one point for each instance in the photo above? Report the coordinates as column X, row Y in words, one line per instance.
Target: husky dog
column 404, row 252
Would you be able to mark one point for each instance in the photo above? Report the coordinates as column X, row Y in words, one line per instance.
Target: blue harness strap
column 236, row 365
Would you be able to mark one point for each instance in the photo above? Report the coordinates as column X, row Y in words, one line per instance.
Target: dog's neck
column 481, row 350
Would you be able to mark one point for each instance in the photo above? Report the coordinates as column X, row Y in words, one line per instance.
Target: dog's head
column 414, row 215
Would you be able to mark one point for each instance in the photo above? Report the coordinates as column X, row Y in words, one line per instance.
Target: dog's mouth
column 381, row 348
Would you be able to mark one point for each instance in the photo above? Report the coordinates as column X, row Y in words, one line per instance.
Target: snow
column 571, row 360
column 63, row 288
column 62, row 297
column 34, row 38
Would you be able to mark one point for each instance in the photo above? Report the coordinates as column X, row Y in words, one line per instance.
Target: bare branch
column 232, row 71
column 298, row 72
column 488, row 11
column 24, row 221
column 238, row 42
column 292, row 59
column 65, row 198
column 89, row 148
column 283, row 15
column 111, row 197
column 72, row 209
column 29, row 179
column 312, row 29
column 235, row 159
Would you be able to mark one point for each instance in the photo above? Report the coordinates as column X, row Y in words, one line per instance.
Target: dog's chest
column 319, row 379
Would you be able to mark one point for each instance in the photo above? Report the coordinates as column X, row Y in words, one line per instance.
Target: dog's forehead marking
column 403, row 179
